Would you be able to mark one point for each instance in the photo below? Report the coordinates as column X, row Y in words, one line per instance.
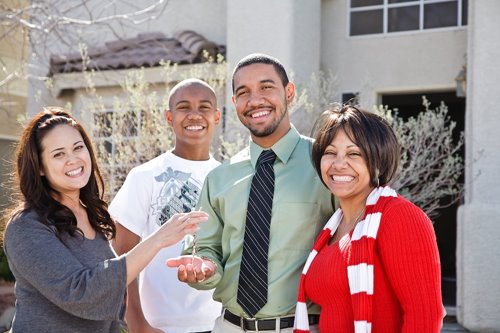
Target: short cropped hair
column 259, row 58
column 371, row 133
column 187, row 83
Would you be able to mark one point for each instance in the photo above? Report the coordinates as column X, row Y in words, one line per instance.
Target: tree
column 431, row 164
column 133, row 129
column 38, row 23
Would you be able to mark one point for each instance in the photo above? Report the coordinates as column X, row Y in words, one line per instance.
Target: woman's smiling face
column 344, row 169
column 66, row 162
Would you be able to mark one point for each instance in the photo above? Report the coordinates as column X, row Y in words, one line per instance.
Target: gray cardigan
column 72, row 284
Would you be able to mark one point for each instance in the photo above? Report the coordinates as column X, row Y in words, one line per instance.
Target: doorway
column 445, row 225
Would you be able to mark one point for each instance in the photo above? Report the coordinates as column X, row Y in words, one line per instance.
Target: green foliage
column 5, row 273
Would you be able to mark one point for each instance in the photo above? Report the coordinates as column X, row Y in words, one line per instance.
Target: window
column 109, row 128
column 389, row 16
column 351, row 98
column 124, row 139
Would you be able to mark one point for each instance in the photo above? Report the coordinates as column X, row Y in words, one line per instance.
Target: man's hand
column 192, row 269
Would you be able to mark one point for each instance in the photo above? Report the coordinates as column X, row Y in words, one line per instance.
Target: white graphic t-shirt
column 151, row 194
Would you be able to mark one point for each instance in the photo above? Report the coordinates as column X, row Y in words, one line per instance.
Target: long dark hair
column 35, row 191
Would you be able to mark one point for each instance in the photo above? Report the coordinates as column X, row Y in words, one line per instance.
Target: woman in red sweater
column 375, row 266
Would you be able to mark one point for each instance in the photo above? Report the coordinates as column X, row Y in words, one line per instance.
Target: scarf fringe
column 301, row 325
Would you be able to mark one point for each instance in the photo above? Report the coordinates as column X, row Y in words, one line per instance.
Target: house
column 159, row 62
column 390, row 52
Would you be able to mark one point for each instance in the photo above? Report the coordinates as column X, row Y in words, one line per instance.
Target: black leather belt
column 264, row 324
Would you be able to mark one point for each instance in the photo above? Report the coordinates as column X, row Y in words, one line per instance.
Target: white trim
column 113, row 78
column 385, row 15
column 421, row 18
column 420, row 90
column 409, row 32
column 8, row 137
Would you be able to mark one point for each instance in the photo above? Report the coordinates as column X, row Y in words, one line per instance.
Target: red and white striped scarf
column 360, row 263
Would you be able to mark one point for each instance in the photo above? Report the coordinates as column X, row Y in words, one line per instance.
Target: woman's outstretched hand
column 178, row 226
column 170, row 233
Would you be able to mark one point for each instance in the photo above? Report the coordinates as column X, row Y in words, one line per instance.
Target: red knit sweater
column 407, row 283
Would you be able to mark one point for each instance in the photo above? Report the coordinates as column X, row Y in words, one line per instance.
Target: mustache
column 195, row 124
column 252, row 109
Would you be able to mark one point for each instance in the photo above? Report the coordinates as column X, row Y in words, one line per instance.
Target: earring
column 376, row 176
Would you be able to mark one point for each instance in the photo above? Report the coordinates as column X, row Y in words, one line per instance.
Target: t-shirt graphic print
column 179, row 194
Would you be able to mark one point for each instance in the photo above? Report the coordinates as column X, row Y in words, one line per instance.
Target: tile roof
column 145, row 50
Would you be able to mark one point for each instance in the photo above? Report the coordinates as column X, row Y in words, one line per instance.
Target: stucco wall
column 11, row 113
column 286, row 29
column 208, row 18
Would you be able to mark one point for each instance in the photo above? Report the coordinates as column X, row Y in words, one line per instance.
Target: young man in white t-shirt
column 151, row 194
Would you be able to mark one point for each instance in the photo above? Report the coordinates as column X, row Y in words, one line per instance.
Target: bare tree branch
column 42, row 24
column 430, row 163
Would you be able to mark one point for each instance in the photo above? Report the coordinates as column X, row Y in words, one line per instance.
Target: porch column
column 478, row 227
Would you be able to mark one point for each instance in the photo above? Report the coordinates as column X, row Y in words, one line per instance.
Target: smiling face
column 193, row 115
column 261, row 102
column 66, row 162
column 344, row 170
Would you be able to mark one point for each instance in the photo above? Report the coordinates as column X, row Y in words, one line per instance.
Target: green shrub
column 5, row 273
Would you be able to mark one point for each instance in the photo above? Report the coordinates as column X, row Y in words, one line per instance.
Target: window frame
column 103, row 139
column 385, row 6
column 99, row 139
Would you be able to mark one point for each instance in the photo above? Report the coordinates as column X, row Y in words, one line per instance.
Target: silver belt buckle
column 242, row 324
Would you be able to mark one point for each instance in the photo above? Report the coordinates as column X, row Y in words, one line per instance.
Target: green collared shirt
column 301, row 207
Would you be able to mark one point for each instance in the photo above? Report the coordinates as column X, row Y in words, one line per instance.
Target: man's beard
column 271, row 128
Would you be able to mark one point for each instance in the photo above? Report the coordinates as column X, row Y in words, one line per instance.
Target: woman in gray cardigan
column 68, row 278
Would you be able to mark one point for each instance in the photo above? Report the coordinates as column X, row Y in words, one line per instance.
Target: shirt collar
column 283, row 148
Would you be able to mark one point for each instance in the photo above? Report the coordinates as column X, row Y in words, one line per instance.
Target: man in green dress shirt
column 300, row 208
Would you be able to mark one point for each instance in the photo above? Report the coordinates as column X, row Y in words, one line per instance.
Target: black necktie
column 252, row 287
